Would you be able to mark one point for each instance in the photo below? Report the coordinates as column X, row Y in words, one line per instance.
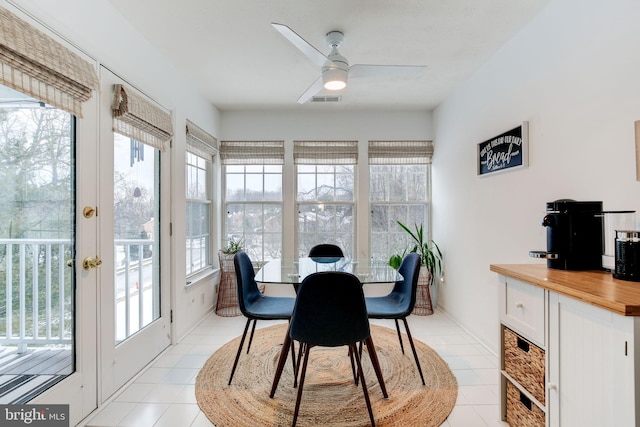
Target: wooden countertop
column 598, row 288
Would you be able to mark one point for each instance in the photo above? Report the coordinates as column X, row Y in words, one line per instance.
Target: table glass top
column 293, row 271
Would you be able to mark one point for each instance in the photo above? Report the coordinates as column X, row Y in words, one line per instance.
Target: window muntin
column 397, row 193
column 199, row 213
column 326, row 204
column 253, row 206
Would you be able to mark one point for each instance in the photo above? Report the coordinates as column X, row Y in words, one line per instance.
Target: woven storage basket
column 227, row 302
column 521, row 411
column 525, row 363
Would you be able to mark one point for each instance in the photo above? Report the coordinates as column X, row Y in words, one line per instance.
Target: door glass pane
column 136, row 237
column 37, row 246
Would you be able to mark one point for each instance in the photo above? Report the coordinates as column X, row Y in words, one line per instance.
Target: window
column 253, row 196
column 141, row 131
column 201, row 151
column 198, row 219
column 399, row 190
column 325, row 193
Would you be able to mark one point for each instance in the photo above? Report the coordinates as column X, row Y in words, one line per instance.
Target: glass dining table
column 293, row 271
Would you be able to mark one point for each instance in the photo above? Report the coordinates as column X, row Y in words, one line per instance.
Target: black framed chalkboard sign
column 507, row 151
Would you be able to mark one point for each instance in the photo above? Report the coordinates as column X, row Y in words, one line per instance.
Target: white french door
column 50, row 300
column 134, row 290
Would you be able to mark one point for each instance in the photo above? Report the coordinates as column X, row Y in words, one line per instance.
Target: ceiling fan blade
column 364, row 70
column 312, row 90
column 309, row 51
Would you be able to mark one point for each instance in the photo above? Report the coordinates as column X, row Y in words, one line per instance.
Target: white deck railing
column 36, row 280
column 35, row 270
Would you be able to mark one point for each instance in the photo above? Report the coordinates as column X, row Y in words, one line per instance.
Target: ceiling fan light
column 334, row 79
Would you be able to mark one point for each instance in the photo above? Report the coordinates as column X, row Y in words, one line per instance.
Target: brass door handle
column 90, row 262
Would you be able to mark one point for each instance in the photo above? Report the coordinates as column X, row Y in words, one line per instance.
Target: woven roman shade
column 35, row 64
column 400, row 152
column 252, row 152
column 138, row 118
column 325, row 152
column 200, row 142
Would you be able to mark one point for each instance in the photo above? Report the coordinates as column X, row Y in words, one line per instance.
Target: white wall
column 96, row 28
column 574, row 74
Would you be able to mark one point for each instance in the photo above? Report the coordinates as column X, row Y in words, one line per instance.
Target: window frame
column 226, row 234
column 209, row 183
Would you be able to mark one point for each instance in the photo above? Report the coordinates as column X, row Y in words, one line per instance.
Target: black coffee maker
column 574, row 235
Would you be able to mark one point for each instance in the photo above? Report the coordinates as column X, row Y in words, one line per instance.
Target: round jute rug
column 330, row 397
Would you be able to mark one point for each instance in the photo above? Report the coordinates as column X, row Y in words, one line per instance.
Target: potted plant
column 431, row 261
column 233, row 246
column 396, row 259
column 430, row 254
column 227, row 300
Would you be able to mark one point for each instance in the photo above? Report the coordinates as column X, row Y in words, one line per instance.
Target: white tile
column 111, row 414
column 178, row 415
column 186, row 395
column 202, row 421
column 168, row 384
column 144, row 414
column 135, row 393
column 163, row 393
column 465, row 416
column 479, row 394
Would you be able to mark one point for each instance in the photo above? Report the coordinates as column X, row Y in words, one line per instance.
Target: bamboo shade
column 35, row 64
column 138, row 118
column 325, row 152
column 252, row 152
column 400, row 152
column 200, row 142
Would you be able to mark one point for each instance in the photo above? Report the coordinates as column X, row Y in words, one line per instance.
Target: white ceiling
column 229, row 50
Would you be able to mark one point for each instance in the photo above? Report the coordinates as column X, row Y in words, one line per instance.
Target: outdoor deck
column 25, row 375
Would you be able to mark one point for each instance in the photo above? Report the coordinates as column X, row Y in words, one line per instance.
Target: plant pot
column 227, row 301
column 424, row 305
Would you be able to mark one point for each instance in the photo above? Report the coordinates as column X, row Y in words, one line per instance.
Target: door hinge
column 626, row 348
column 170, row 316
column 170, row 229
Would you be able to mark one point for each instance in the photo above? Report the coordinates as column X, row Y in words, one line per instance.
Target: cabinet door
column 591, row 367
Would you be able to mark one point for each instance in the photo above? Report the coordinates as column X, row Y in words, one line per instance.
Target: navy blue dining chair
column 399, row 303
column 326, row 252
column 254, row 305
column 330, row 311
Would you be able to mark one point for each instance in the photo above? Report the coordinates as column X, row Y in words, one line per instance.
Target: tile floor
column 163, row 394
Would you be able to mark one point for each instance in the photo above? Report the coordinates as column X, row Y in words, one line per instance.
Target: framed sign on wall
column 508, row 150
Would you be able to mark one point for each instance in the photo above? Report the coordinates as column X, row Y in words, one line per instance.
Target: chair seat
column 271, row 308
column 387, row 307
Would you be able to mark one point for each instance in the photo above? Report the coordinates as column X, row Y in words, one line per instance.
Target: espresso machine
column 574, row 235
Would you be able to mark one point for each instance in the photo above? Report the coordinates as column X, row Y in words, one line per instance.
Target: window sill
column 201, row 276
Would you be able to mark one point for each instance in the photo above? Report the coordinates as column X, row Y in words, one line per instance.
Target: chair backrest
column 245, row 280
column 326, row 252
column 330, row 310
column 405, row 290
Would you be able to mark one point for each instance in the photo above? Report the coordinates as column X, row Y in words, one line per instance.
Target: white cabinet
column 523, row 361
column 592, row 367
column 591, row 372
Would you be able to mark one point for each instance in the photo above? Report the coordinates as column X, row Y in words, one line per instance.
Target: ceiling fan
column 335, row 69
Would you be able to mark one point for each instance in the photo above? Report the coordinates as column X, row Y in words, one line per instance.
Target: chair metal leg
column 399, row 335
column 235, row 362
column 284, row 352
column 253, row 329
column 364, row 387
column 295, row 363
column 376, row 365
column 413, row 348
column 306, row 350
column 353, row 366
